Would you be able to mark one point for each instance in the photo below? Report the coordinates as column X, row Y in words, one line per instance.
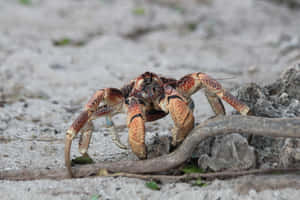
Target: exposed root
column 273, row 127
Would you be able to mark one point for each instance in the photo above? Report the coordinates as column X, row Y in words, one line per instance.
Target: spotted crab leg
column 182, row 115
column 191, row 83
column 71, row 134
column 85, row 138
column 215, row 103
column 136, row 128
column 114, row 104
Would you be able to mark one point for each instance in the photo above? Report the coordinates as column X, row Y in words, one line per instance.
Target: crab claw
column 182, row 115
column 71, row 133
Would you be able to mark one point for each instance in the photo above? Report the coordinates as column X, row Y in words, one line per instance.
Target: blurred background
column 55, row 53
column 56, row 47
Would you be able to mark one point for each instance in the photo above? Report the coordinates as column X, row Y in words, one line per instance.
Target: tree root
column 207, row 176
column 273, row 127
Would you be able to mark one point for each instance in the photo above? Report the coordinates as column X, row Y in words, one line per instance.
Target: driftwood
column 273, row 127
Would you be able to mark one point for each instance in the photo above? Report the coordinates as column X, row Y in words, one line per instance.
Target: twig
column 210, row 176
column 41, row 139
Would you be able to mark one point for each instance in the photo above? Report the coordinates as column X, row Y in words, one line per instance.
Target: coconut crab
column 147, row 98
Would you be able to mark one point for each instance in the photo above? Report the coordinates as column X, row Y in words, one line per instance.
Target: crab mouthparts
column 149, row 93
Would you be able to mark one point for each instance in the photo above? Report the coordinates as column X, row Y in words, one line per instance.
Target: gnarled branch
column 274, row 127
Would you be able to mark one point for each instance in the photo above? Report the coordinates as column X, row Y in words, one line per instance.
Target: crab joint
column 71, row 133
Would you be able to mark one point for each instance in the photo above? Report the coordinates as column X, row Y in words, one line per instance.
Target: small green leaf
column 152, row 185
column 95, row 197
column 139, row 11
column 25, row 2
column 179, row 9
column 62, row 42
column 199, row 183
column 83, row 160
column 192, row 26
column 192, row 169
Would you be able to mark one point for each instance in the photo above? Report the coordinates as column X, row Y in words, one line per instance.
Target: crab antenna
column 228, row 78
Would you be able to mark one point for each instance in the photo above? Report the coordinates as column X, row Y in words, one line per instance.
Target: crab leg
column 108, row 112
column 85, row 138
column 71, row 133
column 136, row 128
column 191, row 83
column 113, row 132
column 215, row 103
column 182, row 115
column 113, row 98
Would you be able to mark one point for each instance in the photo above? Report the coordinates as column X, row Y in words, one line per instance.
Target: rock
column 4, row 120
column 159, row 146
column 204, row 147
column 229, row 152
column 290, row 81
column 290, row 153
column 279, row 99
column 290, row 3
